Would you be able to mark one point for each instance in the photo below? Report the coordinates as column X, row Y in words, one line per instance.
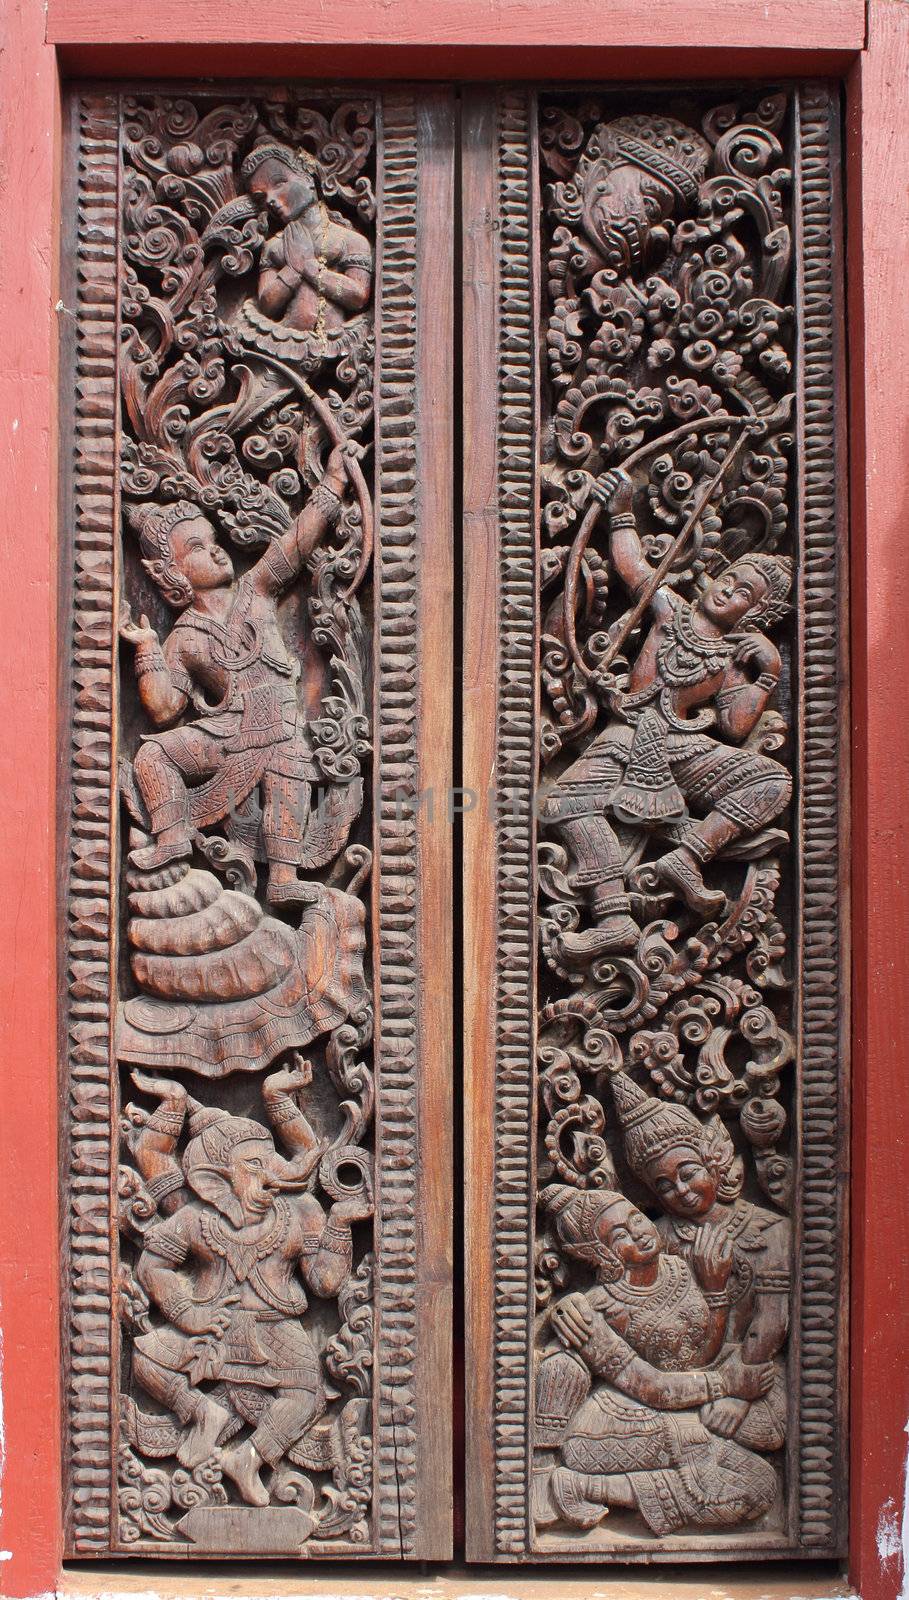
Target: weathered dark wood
column 259, row 1308
column 658, row 1238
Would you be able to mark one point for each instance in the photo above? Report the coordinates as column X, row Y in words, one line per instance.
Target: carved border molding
column 824, row 1033
column 515, row 876
column 410, row 1503
column 89, row 922
column 817, row 1488
column 397, row 1008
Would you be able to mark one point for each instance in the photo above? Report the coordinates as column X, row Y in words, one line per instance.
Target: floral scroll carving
column 666, row 1028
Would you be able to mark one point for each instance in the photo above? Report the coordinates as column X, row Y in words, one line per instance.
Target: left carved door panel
column 256, row 520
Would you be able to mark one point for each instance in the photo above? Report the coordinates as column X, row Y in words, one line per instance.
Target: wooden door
column 257, row 491
column 256, row 867
column 655, row 704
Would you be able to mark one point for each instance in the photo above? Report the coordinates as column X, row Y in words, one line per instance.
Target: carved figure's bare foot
column 202, row 1437
column 543, row 1508
column 681, row 872
column 164, row 850
column 242, row 1463
column 569, row 1490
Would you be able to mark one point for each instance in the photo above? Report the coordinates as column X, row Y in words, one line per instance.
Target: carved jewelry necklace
column 686, row 657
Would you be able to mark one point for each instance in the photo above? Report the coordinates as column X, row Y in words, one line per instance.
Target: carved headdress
column 576, row 1213
column 651, row 1127
column 777, row 574
column 661, row 146
column 271, row 150
column 214, row 1134
column 154, row 525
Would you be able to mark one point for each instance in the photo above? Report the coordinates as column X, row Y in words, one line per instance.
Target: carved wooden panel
column 256, row 495
column 654, row 690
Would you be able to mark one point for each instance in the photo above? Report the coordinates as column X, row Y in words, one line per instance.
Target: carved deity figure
column 626, row 1399
column 704, row 663
column 695, row 1174
column 226, row 657
column 315, row 270
column 635, row 173
column 224, row 1270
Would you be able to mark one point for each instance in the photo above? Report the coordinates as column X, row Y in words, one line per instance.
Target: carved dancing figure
column 704, row 663
column 696, row 1176
column 225, row 656
column 315, row 270
column 224, row 1268
column 626, row 1398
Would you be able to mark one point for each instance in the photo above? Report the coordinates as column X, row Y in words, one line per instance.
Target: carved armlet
column 335, row 1240
column 175, row 1306
column 166, row 1183
column 326, row 501
column 716, row 1385
column 150, row 659
column 282, row 1109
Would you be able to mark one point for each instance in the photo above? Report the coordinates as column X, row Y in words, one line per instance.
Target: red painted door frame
column 459, row 39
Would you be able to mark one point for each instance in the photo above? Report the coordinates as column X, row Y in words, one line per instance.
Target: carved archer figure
column 222, row 1270
column 226, row 656
column 702, row 664
column 315, row 270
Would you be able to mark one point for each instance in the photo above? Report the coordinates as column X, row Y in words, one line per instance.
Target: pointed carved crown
column 651, row 1127
column 576, row 1213
column 214, row 1134
column 777, row 574
column 154, row 525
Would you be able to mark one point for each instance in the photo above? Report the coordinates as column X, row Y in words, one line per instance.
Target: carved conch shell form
column 226, row 987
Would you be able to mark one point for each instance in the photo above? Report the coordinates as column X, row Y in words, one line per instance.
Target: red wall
column 462, row 38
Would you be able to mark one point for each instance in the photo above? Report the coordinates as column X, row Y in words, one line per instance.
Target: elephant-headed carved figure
column 226, row 1274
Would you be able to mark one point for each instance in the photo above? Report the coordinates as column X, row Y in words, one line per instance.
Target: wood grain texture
column 878, row 211
column 481, row 653
column 833, row 24
column 31, row 1522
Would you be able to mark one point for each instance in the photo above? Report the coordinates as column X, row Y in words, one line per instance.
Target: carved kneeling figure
column 624, row 1398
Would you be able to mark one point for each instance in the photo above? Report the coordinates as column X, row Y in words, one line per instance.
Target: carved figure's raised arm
column 625, row 549
column 154, row 1141
column 289, row 1123
column 286, row 556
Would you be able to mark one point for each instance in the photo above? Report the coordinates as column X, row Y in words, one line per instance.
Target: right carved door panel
column 654, row 705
